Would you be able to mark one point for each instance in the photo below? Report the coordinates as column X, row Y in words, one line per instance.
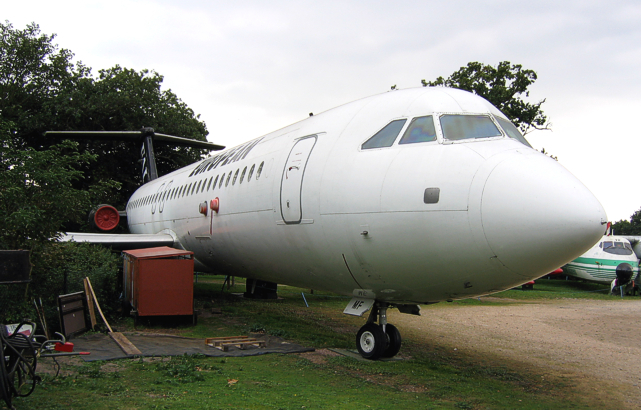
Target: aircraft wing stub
column 120, row 241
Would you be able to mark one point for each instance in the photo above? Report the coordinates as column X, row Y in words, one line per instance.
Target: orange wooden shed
column 159, row 281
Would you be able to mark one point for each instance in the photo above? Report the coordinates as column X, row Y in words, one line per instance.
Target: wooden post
column 92, row 313
column 118, row 337
column 93, row 295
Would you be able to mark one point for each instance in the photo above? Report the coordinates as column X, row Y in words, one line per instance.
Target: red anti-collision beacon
column 214, row 204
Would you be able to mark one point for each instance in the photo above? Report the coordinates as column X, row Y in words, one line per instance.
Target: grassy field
column 427, row 377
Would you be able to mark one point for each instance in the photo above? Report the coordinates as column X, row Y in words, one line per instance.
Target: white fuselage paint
column 325, row 214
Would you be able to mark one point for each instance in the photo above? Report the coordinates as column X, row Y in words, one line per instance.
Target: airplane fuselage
column 601, row 262
column 310, row 205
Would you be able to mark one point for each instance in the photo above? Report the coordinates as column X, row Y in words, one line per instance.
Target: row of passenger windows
column 455, row 127
column 205, row 184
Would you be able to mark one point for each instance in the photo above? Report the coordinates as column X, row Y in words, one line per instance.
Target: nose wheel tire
column 371, row 341
column 394, row 341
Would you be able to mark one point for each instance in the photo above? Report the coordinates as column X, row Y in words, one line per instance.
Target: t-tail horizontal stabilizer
column 147, row 136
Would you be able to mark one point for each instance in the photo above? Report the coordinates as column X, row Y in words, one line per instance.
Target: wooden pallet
column 241, row 342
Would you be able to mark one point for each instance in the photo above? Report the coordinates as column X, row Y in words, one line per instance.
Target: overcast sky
column 251, row 67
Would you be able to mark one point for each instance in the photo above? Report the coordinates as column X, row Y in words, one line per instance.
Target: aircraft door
column 291, row 183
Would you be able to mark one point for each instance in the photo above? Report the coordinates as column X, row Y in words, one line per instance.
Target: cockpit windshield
column 512, row 131
column 459, row 127
column 616, row 248
column 421, row 129
column 386, row 136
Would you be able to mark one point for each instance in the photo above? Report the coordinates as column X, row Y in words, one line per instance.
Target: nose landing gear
column 382, row 340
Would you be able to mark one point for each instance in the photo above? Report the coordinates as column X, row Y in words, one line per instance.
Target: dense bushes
column 59, row 268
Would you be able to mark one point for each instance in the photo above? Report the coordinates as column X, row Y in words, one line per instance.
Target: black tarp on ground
column 102, row 347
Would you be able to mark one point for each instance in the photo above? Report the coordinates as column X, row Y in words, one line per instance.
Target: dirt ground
column 591, row 345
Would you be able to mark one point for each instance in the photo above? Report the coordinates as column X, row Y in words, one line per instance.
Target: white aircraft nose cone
column 537, row 216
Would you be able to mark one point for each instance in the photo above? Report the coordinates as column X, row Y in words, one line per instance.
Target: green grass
column 288, row 382
column 561, row 288
column 428, row 378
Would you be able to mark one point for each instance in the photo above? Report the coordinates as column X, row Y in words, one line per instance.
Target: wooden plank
column 93, row 295
column 92, row 312
column 227, row 338
column 124, row 343
column 215, row 340
column 241, row 342
column 242, row 346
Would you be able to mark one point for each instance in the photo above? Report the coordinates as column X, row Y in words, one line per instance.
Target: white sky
column 251, row 67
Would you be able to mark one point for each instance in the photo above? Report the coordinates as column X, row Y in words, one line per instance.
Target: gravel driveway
column 592, row 345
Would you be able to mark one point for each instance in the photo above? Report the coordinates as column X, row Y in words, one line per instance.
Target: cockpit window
column 386, row 136
column 421, row 129
column 460, row 127
column 512, row 131
column 617, row 248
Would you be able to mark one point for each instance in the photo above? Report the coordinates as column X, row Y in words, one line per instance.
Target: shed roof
column 158, row 252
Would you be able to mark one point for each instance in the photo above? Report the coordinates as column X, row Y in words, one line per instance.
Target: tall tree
column 42, row 89
column 37, row 196
column 629, row 227
column 503, row 86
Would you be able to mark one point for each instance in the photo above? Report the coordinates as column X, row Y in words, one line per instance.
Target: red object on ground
column 159, row 281
column 66, row 347
column 106, row 218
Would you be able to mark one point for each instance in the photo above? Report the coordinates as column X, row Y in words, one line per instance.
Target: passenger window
column 421, row 129
column 193, row 188
column 209, row 184
column 198, row 188
column 511, row 131
column 215, row 182
column 235, row 177
column 221, row 181
column 386, row 136
column 460, row 127
column 251, row 172
column 260, row 170
column 242, row 176
column 228, row 178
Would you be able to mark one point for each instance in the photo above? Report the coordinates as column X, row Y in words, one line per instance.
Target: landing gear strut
column 375, row 341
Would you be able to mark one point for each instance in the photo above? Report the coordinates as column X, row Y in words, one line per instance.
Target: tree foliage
column 629, row 227
column 37, row 196
column 58, row 269
column 41, row 89
column 47, row 184
column 503, row 86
